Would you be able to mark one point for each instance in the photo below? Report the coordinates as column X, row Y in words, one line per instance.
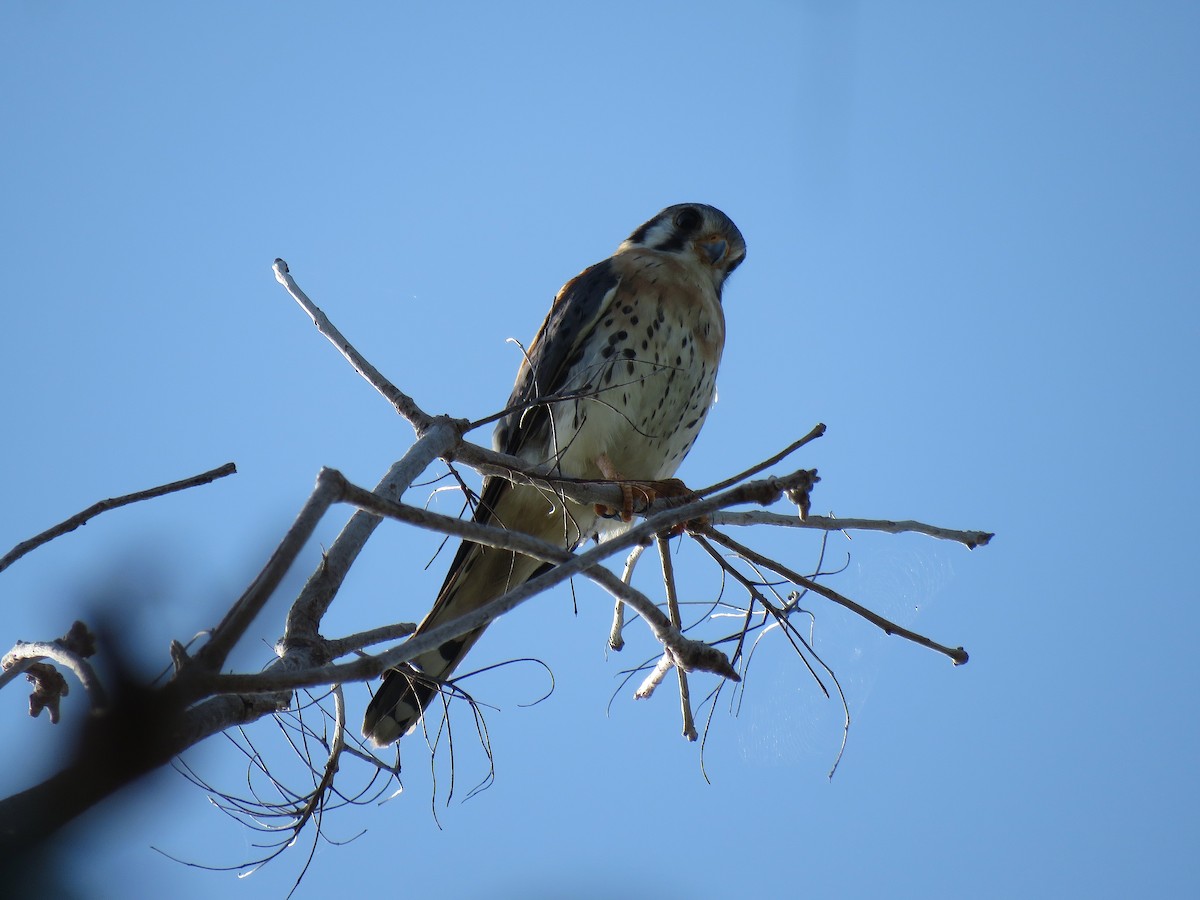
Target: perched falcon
column 629, row 354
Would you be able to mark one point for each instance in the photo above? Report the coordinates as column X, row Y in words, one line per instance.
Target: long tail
column 478, row 575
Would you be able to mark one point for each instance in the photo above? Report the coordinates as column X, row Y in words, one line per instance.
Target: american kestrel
column 629, row 354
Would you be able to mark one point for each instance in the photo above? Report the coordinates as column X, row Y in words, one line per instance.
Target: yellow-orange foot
column 646, row 491
column 674, row 487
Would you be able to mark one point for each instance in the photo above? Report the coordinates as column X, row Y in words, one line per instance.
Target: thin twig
column 957, row 654
column 331, row 765
column 26, row 653
column 568, row 564
column 685, row 696
column 213, row 654
column 337, row 647
column 403, row 404
column 304, row 653
column 651, row 682
column 818, row 431
column 688, row 653
column 105, row 505
column 616, row 640
column 970, row 539
column 303, row 625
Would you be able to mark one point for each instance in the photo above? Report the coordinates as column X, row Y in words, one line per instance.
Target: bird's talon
column 606, row 512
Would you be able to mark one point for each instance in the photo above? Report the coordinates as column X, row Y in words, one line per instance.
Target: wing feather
column 549, row 360
column 575, row 311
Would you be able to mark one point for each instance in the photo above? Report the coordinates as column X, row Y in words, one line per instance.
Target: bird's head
column 697, row 232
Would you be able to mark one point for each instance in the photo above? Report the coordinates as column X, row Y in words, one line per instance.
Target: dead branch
column 49, row 687
column 26, row 654
column 102, row 506
column 969, row 539
column 402, row 403
column 615, row 639
column 685, row 696
column 818, row 431
column 957, row 654
column 352, row 643
column 201, row 699
column 304, row 617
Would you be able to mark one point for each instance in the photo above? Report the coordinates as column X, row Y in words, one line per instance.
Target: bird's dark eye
column 687, row 219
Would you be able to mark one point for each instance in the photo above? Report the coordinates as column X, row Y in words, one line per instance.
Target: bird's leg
column 647, row 491
column 609, row 471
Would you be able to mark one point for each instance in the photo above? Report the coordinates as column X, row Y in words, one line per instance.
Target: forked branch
column 203, row 699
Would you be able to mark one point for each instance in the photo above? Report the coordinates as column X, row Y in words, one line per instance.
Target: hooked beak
column 714, row 249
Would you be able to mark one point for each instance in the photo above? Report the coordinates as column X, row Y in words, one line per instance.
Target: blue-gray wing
column 560, row 345
column 557, row 349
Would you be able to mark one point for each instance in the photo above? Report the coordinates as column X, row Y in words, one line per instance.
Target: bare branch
column 304, row 616
column 688, row 653
column 213, row 654
column 138, row 733
column 338, row 647
column 49, row 686
column 22, row 656
column 818, row 431
column 518, row 471
column 615, row 639
column 403, row 404
column 971, row 539
column 685, row 697
column 651, row 682
column 317, row 797
column 957, row 654
column 201, row 700
column 105, row 505
column 225, row 711
column 692, row 654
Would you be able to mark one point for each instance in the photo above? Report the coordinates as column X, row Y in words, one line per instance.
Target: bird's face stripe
column 672, row 244
column 694, row 232
column 639, row 236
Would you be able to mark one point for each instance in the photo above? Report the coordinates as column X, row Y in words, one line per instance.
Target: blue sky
column 973, row 236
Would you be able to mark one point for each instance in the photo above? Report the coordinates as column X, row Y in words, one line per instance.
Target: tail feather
column 397, row 706
column 477, row 575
